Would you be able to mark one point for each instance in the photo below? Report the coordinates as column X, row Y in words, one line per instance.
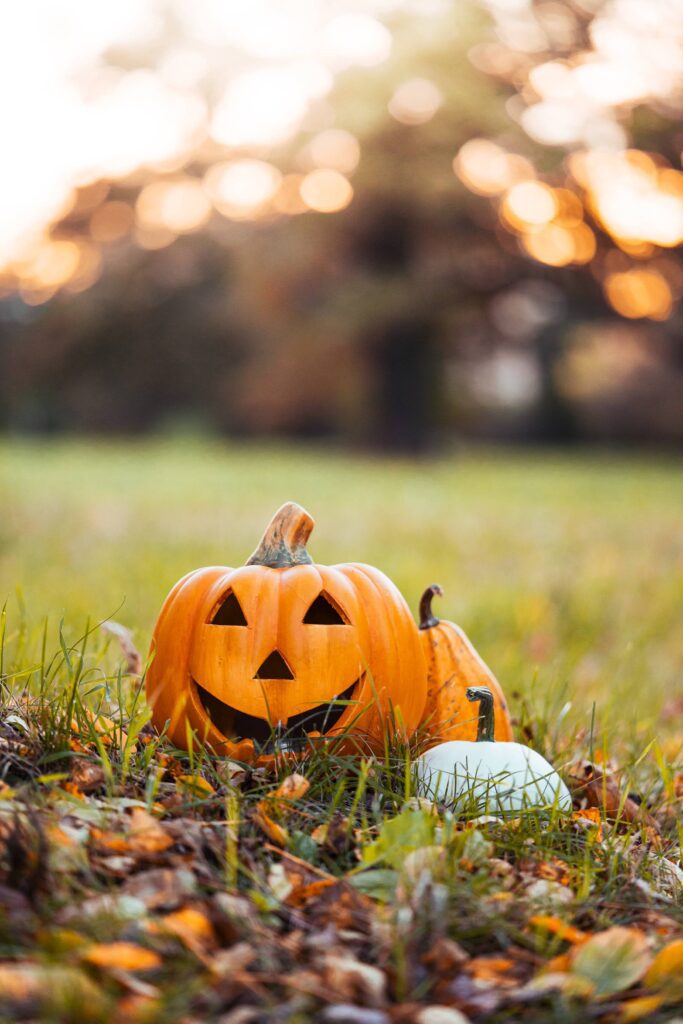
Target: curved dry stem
column 284, row 541
column 427, row 617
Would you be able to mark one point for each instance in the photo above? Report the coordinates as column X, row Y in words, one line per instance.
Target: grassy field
column 564, row 570
column 140, row 884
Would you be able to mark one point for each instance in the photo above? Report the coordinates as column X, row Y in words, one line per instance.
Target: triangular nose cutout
column 274, row 667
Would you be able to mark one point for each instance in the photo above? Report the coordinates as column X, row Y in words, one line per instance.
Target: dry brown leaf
column 601, row 790
column 161, row 888
column 234, row 960
column 86, row 776
column 128, row 648
column 122, row 956
column 353, row 981
column 446, row 957
column 493, row 970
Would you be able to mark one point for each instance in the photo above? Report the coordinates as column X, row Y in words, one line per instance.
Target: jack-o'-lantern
column 285, row 650
column 453, row 666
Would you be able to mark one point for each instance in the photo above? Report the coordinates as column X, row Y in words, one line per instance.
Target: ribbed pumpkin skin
column 453, row 665
column 377, row 649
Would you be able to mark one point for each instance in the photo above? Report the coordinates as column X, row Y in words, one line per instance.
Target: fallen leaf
column 293, row 787
column 193, row 927
column 351, row 980
column 559, row 981
column 272, row 829
column 555, row 926
column 612, row 960
column 86, row 776
column 592, row 816
column 666, row 971
column 194, row 786
column 601, row 791
column 345, row 1013
column 493, row 970
column 161, row 888
column 122, row 956
column 441, row 1015
column 145, row 835
column 446, row 957
column 636, row 1009
column 53, row 992
column 134, row 1008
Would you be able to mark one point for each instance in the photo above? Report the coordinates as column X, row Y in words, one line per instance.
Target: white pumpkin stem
column 487, row 714
column 427, row 617
column 284, row 541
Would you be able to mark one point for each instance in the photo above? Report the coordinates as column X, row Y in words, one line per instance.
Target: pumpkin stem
column 284, row 541
column 427, row 616
column 487, row 716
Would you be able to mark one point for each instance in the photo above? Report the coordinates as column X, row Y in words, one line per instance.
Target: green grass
column 565, row 572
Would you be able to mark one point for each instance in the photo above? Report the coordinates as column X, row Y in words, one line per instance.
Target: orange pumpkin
column 284, row 649
column 453, row 667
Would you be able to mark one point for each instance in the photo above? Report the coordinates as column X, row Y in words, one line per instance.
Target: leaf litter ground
column 140, row 883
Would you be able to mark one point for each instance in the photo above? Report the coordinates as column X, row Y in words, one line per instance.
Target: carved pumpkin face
column 282, row 644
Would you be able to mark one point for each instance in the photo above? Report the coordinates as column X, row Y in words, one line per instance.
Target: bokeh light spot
column 415, row 101
column 241, row 189
column 529, row 203
column 553, row 245
column 639, row 293
column 335, row 148
column 326, row 191
column 181, row 206
column 487, row 169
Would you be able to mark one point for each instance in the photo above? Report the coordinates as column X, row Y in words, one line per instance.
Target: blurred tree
column 511, row 299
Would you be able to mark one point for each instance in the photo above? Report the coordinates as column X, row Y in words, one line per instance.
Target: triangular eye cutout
column 230, row 613
column 323, row 613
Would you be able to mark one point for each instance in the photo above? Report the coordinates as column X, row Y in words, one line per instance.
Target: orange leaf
column 145, row 835
column 666, row 970
column 293, row 787
column 636, row 1009
column 593, row 815
column 122, row 956
column 555, row 926
column 304, row 893
column 492, row 970
column 194, row 786
column 192, row 927
column 271, row 828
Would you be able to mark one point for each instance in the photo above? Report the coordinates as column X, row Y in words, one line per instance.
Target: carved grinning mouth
column 238, row 725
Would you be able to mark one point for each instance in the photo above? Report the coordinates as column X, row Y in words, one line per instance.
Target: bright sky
column 97, row 90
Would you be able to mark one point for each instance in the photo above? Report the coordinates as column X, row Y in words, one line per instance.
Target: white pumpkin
column 486, row 776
